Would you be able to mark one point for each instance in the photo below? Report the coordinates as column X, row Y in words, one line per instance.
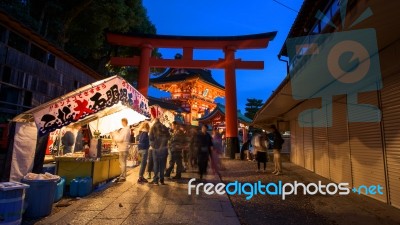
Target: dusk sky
column 230, row 18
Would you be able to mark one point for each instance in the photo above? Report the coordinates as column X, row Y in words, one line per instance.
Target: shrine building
column 194, row 90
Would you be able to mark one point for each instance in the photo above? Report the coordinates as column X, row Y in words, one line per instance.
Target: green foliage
column 79, row 26
column 252, row 107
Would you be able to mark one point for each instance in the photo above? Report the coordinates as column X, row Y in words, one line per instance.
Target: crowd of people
column 256, row 149
column 163, row 150
column 175, row 149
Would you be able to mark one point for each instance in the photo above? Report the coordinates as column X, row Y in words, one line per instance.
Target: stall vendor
column 79, row 138
column 68, row 141
column 122, row 138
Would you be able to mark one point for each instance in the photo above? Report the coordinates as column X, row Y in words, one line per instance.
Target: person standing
column 78, row 147
column 217, row 151
column 204, row 143
column 150, row 163
column 193, row 148
column 177, row 143
column 276, row 142
column 260, row 150
column 68, row 141
column 159, row 136
column 122, row 138
column 143, row 147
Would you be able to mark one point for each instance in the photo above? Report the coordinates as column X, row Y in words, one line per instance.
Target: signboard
column 88, row 101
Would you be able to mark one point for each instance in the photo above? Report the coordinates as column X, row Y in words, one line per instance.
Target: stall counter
column 100, row 170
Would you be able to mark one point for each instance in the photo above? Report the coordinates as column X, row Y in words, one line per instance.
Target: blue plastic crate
column 12, row 196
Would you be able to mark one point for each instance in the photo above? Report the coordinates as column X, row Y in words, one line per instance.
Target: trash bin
column 40, row 197
column 49, row 168
column 12, row 202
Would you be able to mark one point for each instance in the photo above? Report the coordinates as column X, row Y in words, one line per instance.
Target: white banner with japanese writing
column 90, row 100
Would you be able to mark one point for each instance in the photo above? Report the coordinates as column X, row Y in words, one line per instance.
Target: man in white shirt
column 122, row 137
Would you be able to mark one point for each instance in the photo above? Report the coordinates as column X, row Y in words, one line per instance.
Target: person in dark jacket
column 79, row 138
column 159, row 136
column 276, row 142
column 68, row 140
column 177, row 143
column 143, row 148
column 192, row 148
column 204, row 144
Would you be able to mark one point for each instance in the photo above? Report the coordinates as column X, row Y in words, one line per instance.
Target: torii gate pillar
column 144, row 69
column 232, row 141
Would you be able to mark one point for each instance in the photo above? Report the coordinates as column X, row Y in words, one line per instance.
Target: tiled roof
column 173, row 75
column 165, row 104
column 221, row 109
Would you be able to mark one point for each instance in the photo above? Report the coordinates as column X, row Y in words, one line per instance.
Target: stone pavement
column 133, row 203
column 354, row 209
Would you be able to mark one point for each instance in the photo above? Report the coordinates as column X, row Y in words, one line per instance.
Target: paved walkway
column 302, row 209
column 133, row 203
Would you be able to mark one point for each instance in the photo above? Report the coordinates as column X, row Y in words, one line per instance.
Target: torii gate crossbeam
column 188, row 43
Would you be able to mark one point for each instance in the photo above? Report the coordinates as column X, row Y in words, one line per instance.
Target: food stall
column 98, row 108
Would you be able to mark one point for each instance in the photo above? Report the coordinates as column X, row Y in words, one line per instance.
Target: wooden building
column 193, row 89
column 355, row 152
column 33, row 70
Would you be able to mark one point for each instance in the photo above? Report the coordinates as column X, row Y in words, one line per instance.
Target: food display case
column 100, row 169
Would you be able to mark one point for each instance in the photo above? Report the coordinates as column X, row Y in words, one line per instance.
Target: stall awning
column 97, row 100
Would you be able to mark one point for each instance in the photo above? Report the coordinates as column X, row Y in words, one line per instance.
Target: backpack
column 275, row 141
column 279, row 140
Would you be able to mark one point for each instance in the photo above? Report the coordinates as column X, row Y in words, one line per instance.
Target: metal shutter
column 366, row 149
column 293, row 138
column 391, row 123
column 308, row 148
column 299, row 145
column 321, row 151
column 339, row 151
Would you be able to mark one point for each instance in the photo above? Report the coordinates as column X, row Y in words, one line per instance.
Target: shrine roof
column 220, row 109
column 174, row 75
column 165, row 104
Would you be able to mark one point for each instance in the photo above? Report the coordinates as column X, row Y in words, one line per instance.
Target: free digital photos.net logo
column 325, row 65
column 249, row 190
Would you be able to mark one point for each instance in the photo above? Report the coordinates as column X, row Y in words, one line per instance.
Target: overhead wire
column 288, row 7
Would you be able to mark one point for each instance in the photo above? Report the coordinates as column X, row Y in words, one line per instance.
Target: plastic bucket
column 40, row 197
column 60, row 189
column 85, row 187
column 74, row 187
column 11, row 202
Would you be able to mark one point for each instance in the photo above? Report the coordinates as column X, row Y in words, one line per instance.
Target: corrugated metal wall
column 391, row 125
column 321, row 151
column 300, row 145
column 360, row 153
column 366, row 149
column 308, row 148
column 339, row 151
column 293, row 138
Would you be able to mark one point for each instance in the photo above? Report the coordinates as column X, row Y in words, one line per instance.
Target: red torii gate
column 228, row 44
